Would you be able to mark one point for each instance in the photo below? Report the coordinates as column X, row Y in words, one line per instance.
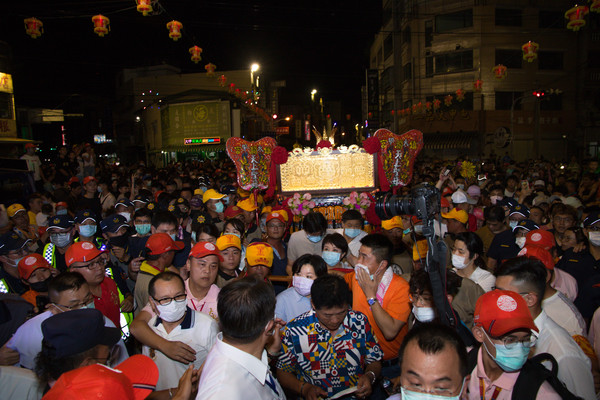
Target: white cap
column 460, row 197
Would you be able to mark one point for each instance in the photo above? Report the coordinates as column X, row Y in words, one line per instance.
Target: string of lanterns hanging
column 195, row 51
column 530, row 50
column 101, row 25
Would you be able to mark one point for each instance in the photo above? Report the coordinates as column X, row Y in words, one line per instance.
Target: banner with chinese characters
column 181, row 121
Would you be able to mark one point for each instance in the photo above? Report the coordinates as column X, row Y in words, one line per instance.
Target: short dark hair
column 494, row 214
column 314, row 222
column 142, row 212
column 237, row 224
column 337, row 240
column 330, row 291
column 432, row 338
column 381, row 246
column 352, row 215
column 563, row 209
column 163, row 276
column 210, row 229
column 420, row 282
column 65, row 281
column 527, row 272
column 245, row 307
column 475, row 246
column 48, row 367
column 316, row 261
column 163, row 217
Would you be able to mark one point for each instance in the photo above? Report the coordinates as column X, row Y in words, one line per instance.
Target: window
column 509, row 58
column 551, row 102
column 454, row 62
column 387, row 77
column 452, row 21
column 428, row 33
column 388, row 46
column 429, row 66
column 504, row 100
column 508, row 17
column 551, row 19
column 406, row 35
column 407, row 71
column 550, row 60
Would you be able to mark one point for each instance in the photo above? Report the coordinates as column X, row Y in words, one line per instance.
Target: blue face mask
column 314, row 239
column 219, row 207
column 64, row 211
column 331, row 257
column 87, row 230
column 173, row 236
column 352, row 233
column 194, row 236
column 143, row 229
column 410, row 395
column 513, row 224
column 16, row 262
column 509, row 360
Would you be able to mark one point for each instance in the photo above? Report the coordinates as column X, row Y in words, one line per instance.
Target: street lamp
column 312, row 94
column 253, row 68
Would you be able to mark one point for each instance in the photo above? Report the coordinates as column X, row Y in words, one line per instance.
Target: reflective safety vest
column 4, row 286
column 125, row 318
column 48, row 254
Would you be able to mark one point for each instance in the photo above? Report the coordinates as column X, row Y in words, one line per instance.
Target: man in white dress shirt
column 237, row 367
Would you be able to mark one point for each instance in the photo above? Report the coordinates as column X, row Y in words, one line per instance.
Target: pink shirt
column 208, row 305
column 505, row 382
column 565, row 283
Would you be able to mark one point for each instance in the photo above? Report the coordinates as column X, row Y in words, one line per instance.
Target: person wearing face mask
column 468, row 262
column 230, row 248
column 308, row 240
column 87, row 225
column 505, row 329
column 504, row 245
column 125, row 208
column 335, row 248
column 520, row 231
column 356, row 363
column 296, row 299
column 60, row 231
column 528, row 277
column 140, row 201
column 67, row 291
column 176, row 322
column 352, row 230
column 90, row 199
column 214, row 205
column 36, row 273
column 12, row 250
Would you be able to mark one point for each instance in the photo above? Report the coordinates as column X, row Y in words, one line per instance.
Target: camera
column 423, row 202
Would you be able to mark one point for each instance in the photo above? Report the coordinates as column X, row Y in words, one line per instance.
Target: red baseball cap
column 232, row 211
column 540, row 238
column 30, row 263
column 81, row 252
column 92, row 382
column 88, row 179
column 160, row 243
column 281, row 215
column 30, row 145
column 539, row 253
column 444, row 202
column 143, row 374
column 203, row 249
column 501, row 311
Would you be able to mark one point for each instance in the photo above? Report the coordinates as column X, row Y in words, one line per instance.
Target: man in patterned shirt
column 330, row 348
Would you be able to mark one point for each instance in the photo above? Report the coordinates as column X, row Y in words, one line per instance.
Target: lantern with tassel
column 595, row 7
column 448, row 100
column 195, row 52
column 530, row 51
column 460, row 95
column 101, row 25
column 174, row 28
column 575, row 16
column 231, row 85
column 436, row 104
column 34, row 27
column 477, row 85
column 144, row 6
column 499, row 71
column 428, row 106
column 210, row 70
column 223, row 80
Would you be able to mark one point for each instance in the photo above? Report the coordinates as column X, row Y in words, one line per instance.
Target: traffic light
column 539, row 93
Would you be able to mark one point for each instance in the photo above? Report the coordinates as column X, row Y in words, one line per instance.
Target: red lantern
column 144, row 6
column 575, row 16
column 407, row 111
column 460, row 95
column 210, row 70
column 477, row 85
column 530, row 51
column 595, row 7
column 392, row 112
column 499, row 71
column 174, row 28
column 428, row 106
column 101, row 25
column 414, row 109
column 33, row 27
column 448, row 100
column 231, row 85
column 436, row 104
column 195, row 52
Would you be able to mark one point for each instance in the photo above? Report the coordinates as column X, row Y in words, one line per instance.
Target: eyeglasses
column 511, row 342
column 77, row 306
column 594, row 228
column 99, row 263
column 165, row 301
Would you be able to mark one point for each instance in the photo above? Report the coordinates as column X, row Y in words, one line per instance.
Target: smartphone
column 525, row 184
column 446, row 172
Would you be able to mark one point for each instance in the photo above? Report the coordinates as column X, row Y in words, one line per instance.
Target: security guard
column 60, row 229
column 12, row 249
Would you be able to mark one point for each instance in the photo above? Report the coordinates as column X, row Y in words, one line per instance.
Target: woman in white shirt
column 467, row 260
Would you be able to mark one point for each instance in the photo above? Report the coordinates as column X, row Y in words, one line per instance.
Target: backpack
column 531, row 377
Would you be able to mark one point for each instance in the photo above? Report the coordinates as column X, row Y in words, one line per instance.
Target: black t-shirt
column 586, row 271
column 14, row 284
column 84, row 203
column 503, row 247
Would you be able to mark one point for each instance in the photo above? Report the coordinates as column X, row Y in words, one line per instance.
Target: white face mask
column 513, row 224
column 302, row 285
column 423, row 314
column 173, row 311
column 458, row 261
column 126, row 215
column 361, row 266
column 594, row 238
column 418, row 229
column 494, row 199
column 520, row 241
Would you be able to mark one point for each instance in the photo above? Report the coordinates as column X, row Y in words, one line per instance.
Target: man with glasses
column 90, row 262
column 67, row 291
column 12, row 249
column 504, row 327
column 175, row 321
column 527, row 276
column 330, row 348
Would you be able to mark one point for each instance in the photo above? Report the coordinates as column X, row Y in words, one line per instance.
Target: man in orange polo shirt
column 382, row 296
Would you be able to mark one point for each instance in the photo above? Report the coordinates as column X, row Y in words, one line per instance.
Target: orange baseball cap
column 232, row 211
column 457, row 214
column 30, row 145
column 540, row 238
column 281, row 215
column 81, row 252
column 501, row 311
column 143, row 374
column 259, row 253
column 88, row 179
column 160, row 243
column 203, row 249
column 226, row 241
column 30, row 263
column 395, row 222
column 539, row 253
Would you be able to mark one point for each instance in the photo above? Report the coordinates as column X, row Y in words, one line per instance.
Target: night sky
column 322, row 44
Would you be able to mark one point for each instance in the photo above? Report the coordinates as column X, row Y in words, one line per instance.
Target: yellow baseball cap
column 198, row 192
column 211, row 194
column 395, row 222
column 420, row 249
column 226, row 241
column 259, row 253
column 457, row 214
column 247, row 204
column 14, row 209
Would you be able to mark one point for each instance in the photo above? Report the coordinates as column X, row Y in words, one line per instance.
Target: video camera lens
column 390, row 205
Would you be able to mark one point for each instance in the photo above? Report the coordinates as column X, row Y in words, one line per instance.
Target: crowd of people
column 143, row 282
